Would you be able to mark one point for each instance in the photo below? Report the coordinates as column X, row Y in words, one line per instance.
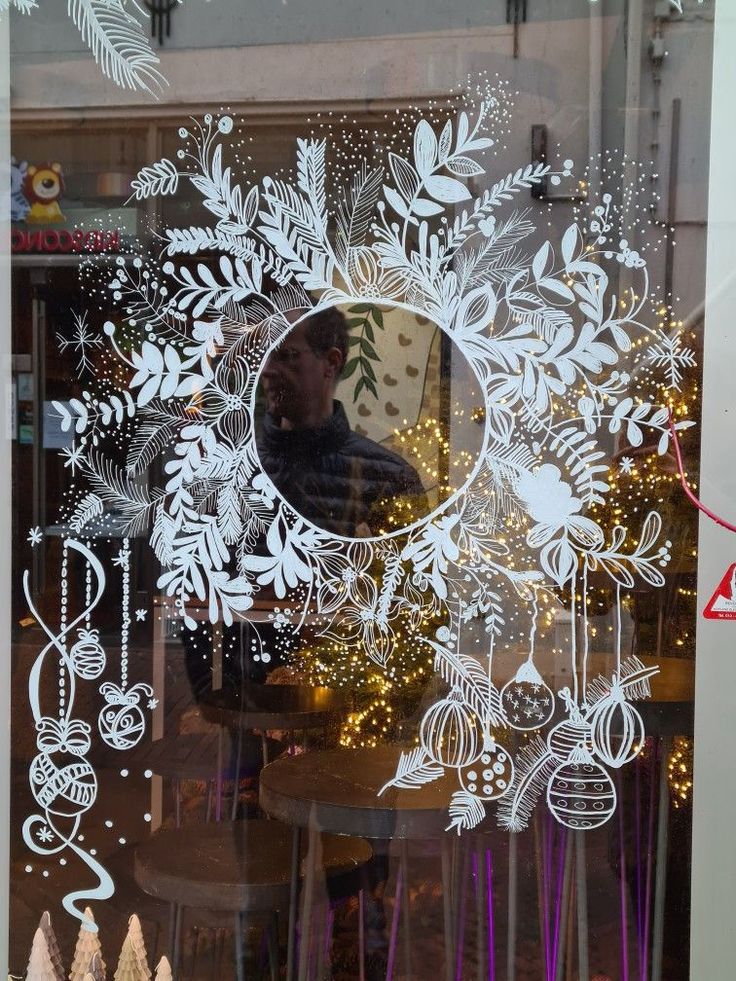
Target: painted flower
column 626, row 464
column 364, row 626
column 224, row 400
column 550, row 503
column 347, row 579
column 370, row 281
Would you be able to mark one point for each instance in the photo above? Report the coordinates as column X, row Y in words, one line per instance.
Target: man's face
column 297, row 381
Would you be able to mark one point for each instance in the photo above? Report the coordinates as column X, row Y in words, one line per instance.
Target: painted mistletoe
column 543, row 328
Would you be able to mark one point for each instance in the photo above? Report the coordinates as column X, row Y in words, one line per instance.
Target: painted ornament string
column 62, row 780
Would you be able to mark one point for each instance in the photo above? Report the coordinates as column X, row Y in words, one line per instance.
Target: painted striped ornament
column 580, row 793
column 568, row 736
column 617, row 728
column 449, row 731
column 66, row 786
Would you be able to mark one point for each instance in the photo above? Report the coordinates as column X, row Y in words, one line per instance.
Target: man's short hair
column 325, row 329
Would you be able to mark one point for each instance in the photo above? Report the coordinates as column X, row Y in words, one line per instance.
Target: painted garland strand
column 121, row 721
column 62, row 780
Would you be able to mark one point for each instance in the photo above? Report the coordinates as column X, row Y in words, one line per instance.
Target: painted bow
column 63, row 736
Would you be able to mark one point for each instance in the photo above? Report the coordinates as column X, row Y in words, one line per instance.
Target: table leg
column 564, row 906
column 175, row 937
column 461, row 908
column 239, row 952
column 296, row 845
column 660, row 873
column 404, row 852
column 446, row 858
column 307, row 904
column 361, row 934
column 581, row 879
column 511, row 906
column 479, row 870
column 272, row 938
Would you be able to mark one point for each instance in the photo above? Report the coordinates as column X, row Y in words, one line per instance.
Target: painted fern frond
column 413, row 770
column 469, row 675
column 118, row 43
column 634, row 681
column 534, row 766
column 89, row 508
column 466, row 812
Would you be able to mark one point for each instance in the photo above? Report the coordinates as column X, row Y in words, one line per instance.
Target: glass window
column 357, row 372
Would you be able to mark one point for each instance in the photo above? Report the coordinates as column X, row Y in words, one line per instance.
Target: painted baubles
column 527, row 702
column 580, row 793
column 568, row 735
column 617, row 728
column 490, row 775
column 449, row 732
column 121, row 721
column 63, row 783
column 87, row 655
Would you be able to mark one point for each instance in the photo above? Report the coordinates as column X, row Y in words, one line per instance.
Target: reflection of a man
column 342, row 482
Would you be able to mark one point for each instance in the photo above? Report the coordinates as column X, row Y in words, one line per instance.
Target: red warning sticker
column 722, row 604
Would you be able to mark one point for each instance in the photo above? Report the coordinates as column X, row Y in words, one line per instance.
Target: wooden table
column 241, row 867
column 338, row 791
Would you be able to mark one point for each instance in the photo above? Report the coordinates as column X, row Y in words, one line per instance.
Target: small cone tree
column 40, row 965
column 163, row 971
column 88, row 946
column 52, row 944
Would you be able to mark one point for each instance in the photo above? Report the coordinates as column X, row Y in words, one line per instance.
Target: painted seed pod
column 527, row 702
column 617, row 728
column 449, row 731
column 491, row 774
column 580, row 793
column 88, row 656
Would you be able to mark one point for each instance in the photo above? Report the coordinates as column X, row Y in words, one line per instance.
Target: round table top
column 234, row 866
column 260, row 706
column 337, row 790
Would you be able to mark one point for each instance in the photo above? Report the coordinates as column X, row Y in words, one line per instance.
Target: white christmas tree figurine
column 40, row 965
column 52, row 944
column 88, row 947
column 133, row 963
column 163, row 971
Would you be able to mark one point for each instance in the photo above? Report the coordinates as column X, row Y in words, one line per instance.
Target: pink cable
column 691, row 496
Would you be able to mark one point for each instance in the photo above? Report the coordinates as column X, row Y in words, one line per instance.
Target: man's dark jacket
column 334, row 477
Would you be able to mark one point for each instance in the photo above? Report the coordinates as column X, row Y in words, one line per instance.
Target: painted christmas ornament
column 527, row 702
column 490, row 775
column 580, row 793
column 571, row 734
column 121, row 721
column 65, row 787
column 87, row 655
column 449, row 732
column 617, row 728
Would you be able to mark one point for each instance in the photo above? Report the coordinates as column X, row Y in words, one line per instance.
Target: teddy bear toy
column 43, row 187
